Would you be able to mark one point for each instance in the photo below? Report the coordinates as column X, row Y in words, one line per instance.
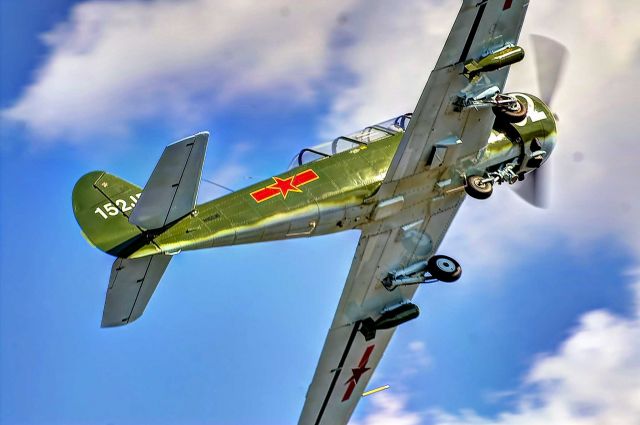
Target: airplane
column 399, row 182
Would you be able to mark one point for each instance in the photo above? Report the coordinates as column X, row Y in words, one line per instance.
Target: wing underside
column 413, row 234
column 480, row 27
column 348, row 358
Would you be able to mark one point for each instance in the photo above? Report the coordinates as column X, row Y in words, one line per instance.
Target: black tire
column 444, row 268
column 535, row 162
column 478, row 189
column 512, row 115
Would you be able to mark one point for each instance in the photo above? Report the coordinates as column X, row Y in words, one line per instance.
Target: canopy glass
column 365, row 136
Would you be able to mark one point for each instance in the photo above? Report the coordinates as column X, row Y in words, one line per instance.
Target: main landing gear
column 481, row 187
column 512, row 110
column 438, row 268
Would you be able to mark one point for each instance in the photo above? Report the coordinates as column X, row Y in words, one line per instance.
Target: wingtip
column 105, row 325
column 113, row 324
column 204, row 134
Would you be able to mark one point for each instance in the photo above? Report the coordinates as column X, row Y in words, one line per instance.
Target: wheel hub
column 445, row 265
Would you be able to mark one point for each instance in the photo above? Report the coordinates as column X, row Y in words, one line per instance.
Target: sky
column 543, row 327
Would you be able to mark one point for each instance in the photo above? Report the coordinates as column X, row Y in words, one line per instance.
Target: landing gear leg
column 479, row 187
column 438, row 268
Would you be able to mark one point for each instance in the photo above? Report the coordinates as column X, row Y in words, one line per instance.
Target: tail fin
column 171, row 191
column 104, row 208
column 102, row 204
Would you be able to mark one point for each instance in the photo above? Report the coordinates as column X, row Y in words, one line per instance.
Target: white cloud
column 115, row 63
column 592, row 379
column 395, row 51
column 389, row 409
column 417, row 346
column 419, row 354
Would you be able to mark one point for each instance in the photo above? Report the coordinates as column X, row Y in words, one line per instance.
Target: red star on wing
column 357, row 373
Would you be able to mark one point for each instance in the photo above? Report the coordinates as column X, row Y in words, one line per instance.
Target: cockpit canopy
column 365, row 136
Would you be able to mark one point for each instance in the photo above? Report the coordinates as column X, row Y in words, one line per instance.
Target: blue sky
column 546, row 313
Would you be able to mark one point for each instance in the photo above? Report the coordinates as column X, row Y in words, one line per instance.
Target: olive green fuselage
column 339, row 198
column 334, row 201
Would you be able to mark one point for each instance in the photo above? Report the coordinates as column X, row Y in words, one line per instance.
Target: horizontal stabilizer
column 171, row 191
column 131, row 285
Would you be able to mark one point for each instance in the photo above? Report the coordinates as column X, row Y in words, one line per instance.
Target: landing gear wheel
column 515, row 114
column 477, row 188
column 444, row 268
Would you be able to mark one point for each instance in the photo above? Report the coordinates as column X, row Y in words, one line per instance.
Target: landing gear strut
column 481, row 187
column 438, row 268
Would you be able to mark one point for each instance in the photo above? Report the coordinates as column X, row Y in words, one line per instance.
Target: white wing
column 348, row 359
column 415, row 231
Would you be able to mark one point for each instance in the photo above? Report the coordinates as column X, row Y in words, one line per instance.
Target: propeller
column 550, row 60
column 534, row 189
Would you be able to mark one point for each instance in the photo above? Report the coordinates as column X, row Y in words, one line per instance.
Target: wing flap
column 131, row 285
column 171, row 191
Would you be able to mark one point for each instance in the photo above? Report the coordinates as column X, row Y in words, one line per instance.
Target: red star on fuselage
column 285, row 186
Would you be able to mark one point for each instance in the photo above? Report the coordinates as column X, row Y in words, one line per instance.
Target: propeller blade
column 550, row 58
column 534, row 189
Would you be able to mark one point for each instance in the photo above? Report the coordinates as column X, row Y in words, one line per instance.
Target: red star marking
column 357, row 373
column 284, row 186
column 507, row 4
